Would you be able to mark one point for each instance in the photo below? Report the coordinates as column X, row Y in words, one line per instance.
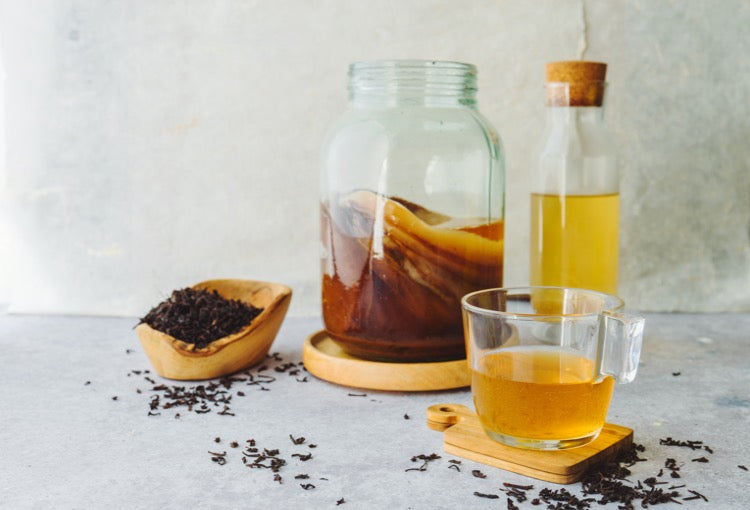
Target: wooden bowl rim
column 280, row 292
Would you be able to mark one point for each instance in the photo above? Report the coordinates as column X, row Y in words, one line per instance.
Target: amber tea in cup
column 544, row 361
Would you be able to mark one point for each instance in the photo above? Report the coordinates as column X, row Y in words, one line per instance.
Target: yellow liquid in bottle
column 574, row 241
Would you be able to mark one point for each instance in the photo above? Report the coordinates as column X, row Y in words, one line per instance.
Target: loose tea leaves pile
column 199, row 317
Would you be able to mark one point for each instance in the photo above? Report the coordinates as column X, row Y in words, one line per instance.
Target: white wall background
column 152, row 144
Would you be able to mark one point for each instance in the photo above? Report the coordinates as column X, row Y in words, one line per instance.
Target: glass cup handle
column 620, row 341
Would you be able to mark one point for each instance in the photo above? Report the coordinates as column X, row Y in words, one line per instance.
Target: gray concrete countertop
column 66, row 442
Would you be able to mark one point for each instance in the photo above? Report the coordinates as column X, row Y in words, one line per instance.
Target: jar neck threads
column 388, row 83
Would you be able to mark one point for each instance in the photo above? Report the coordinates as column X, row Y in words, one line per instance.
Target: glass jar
column 575, row 194
column 412, row 203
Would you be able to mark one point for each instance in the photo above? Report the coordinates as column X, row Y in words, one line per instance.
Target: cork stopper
column 585, row 83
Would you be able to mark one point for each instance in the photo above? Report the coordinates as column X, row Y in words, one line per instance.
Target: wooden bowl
column 175, row 359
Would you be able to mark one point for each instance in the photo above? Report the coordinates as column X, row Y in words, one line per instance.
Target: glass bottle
column 575, row 193
column 412, row 203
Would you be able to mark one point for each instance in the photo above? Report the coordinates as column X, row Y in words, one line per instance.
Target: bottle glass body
column 412, row 202
column 575, row 200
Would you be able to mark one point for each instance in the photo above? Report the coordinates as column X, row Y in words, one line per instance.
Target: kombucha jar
column 411, row 204
column 575, row 195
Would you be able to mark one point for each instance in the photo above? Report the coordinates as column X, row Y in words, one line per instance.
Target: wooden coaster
column 325, row 359
column 464, row 436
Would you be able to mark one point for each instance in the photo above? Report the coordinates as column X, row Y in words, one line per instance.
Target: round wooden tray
column 325, row 359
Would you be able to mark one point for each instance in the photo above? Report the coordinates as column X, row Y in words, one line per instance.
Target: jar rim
column 412, row 83
column 414, row 64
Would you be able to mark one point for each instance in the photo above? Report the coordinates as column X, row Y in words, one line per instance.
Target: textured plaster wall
column 149, row 145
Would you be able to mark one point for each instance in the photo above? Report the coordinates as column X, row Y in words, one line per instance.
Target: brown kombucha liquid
column 394, row 274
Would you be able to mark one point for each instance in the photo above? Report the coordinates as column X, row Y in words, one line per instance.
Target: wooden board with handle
column 464, row 436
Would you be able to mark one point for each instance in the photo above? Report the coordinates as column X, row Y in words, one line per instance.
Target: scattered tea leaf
column 693, row 445
column 488, row 496
column 426, row 459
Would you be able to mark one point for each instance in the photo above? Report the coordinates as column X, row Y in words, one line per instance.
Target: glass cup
column 544, row 361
